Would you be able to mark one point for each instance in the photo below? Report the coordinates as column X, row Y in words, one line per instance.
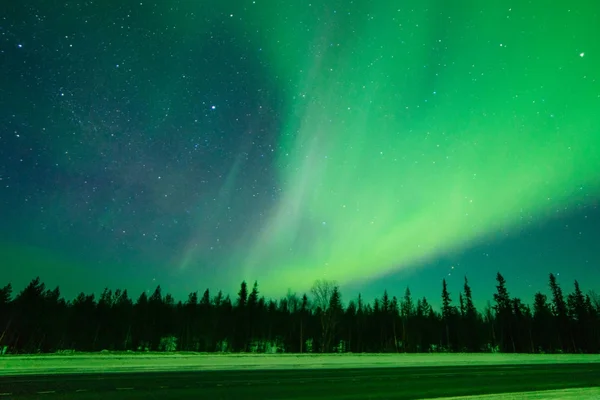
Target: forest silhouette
column 39, row 320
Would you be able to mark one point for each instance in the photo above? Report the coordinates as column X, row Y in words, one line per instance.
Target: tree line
column 40, row 320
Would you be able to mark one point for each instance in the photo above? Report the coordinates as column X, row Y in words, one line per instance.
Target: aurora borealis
column 375, row 143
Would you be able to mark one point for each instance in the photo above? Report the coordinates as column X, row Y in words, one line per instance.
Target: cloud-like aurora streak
column 406, row 139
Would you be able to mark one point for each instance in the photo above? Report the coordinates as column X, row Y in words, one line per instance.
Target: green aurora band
column 419, row 130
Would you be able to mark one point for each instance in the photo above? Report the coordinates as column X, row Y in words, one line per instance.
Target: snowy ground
column 566, row 394
column 133, row 362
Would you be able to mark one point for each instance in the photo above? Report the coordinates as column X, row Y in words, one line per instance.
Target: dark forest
column 40, row 320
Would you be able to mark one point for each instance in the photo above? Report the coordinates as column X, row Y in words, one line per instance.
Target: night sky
column 377, row 143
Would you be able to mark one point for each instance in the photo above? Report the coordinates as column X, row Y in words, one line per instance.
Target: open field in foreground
column 304, row 383
column 137, row 362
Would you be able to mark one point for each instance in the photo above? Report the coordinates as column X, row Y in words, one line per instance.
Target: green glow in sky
column 202, row 143
column 411, row 134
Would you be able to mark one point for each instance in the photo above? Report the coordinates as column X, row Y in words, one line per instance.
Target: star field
column 381, row 145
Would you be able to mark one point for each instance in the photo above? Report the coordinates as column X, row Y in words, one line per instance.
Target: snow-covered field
column 565, row 394
column 133, row 362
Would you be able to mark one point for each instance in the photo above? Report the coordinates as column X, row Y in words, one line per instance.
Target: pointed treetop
column 243, row 295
